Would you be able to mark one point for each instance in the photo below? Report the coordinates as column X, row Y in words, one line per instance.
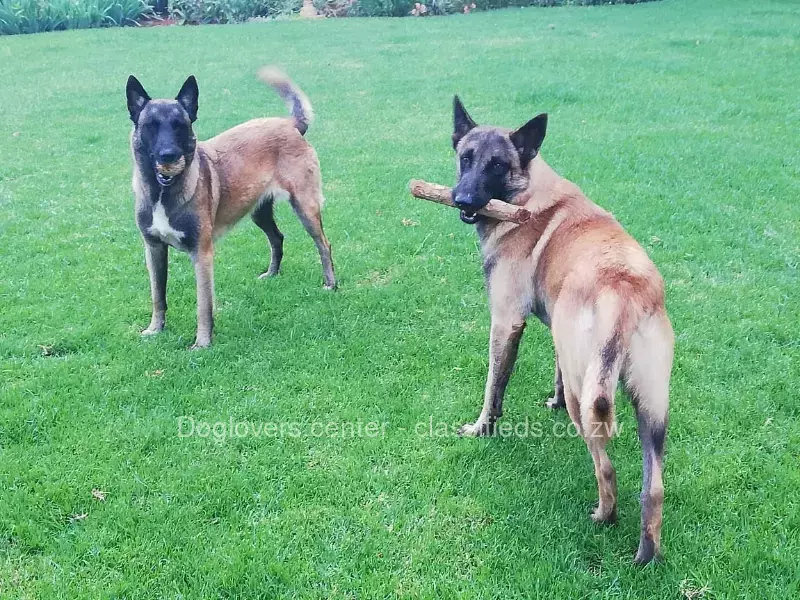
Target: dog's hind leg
column 647, row 381
column 307, row 204
column 596, row 440
column 589, row 400
column 265, row 219
column 557, row 401
column 594, row 351
column 597, row 427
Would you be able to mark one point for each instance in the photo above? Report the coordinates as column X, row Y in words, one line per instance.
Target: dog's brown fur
column 241, row 171
column 574, row 266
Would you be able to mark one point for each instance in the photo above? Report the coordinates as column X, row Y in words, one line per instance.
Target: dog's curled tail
column 296, row 101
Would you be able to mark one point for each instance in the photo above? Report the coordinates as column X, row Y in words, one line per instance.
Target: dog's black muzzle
column 169, row 163
column 469, row 206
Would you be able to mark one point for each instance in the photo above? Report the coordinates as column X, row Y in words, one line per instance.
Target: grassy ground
column 679, row 116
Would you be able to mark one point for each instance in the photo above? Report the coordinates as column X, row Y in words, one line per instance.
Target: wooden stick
column 496, row 209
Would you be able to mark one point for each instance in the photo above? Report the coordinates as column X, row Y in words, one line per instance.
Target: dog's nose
column 463, row 199
column 168, row 156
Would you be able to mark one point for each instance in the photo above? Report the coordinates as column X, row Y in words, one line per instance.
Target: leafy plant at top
column 34, row 16
column 229, row 11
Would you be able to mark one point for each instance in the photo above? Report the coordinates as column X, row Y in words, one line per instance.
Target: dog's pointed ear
column 462, row 122
column 137, row 98
column 188, row 97
column 528, row 138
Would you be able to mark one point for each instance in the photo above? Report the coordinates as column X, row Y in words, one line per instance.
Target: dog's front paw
column 270, row 273
column 477, row 429
column 157, row 321
column 555, row 403
column 200, row 343
column 605, row 516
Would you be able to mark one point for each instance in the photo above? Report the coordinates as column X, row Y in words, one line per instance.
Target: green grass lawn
column 681, row 117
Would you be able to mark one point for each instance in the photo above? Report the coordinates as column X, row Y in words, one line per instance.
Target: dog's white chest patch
column 162, row 229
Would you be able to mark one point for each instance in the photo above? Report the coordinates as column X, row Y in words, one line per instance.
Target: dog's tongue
column 470, row 218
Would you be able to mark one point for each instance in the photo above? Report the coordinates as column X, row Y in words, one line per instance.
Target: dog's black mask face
column 163, row 128
column 492, row 162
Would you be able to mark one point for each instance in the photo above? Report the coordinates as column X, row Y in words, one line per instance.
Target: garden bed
column 36, row 16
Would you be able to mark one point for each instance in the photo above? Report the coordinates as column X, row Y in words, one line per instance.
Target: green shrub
column 383, row 8
column 400, row 8
column 490, row 4
column 33, row 16
column 229, row 11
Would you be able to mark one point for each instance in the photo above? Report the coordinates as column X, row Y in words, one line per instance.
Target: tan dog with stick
column 572, row 265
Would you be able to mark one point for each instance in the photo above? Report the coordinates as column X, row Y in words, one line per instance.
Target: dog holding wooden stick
column 573, row 266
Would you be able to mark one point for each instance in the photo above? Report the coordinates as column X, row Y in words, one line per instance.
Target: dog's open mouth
column 165, row 180
column 470, row 218
column 167, row 172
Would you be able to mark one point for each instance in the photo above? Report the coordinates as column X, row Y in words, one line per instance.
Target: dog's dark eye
column 176, row 123
column 499, row 168
column 466, row 161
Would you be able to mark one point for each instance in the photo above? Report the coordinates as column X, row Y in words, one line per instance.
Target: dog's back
column 259, row 158
column 265, row 159
column 582, row 249
column 571, row 248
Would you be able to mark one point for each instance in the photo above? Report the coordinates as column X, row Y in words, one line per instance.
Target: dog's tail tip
column 272, row 75
column 296, row 101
